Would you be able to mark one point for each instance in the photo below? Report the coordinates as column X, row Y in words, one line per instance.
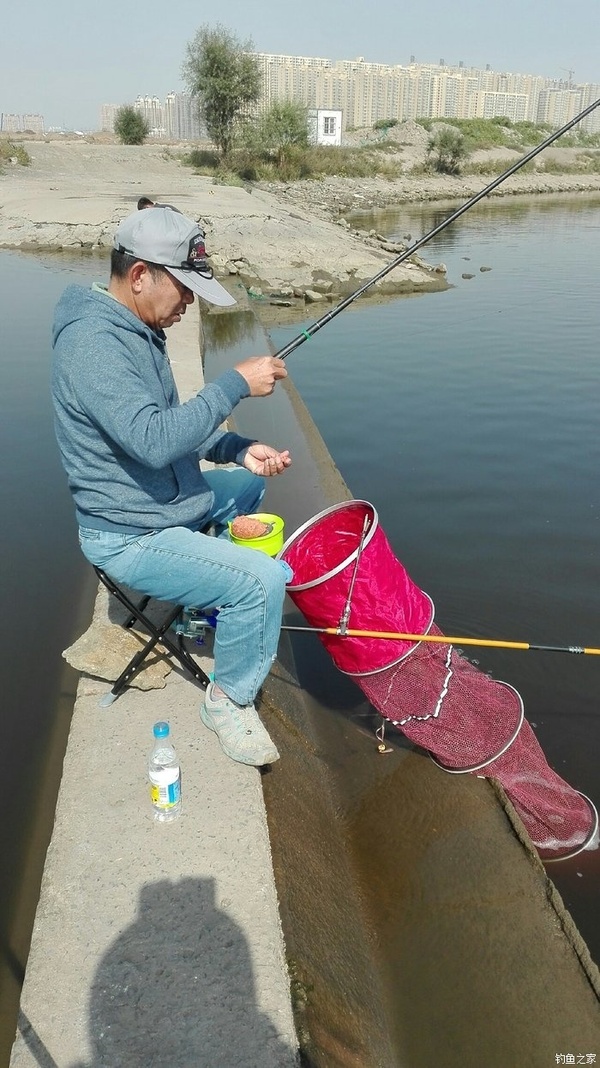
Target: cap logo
column 196, row 258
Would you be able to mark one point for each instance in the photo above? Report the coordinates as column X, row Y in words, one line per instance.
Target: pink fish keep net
column 345, row 573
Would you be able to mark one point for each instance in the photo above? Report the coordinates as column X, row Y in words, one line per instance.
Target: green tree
column 447, row 149
column 284, row 125
column 224, row 76
column 130, row 126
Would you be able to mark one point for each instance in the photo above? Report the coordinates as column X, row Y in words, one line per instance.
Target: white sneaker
column 239, row 730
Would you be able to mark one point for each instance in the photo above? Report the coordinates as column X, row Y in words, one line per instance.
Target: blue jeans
column 196, row 570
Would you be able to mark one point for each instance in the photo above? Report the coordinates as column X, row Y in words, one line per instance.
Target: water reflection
column 417, row 220
column 224, row 331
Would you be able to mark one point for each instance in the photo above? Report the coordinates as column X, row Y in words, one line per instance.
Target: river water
column 470, row 419
column 44, row 597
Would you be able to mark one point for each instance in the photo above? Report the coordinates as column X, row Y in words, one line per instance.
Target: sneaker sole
column 229, row 752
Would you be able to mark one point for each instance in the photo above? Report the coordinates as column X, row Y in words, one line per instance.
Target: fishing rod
column 306, row 335
column 443, row 639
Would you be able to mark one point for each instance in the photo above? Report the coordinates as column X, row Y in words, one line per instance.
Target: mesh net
column 468, row 722
column 443, row 703
column 559, row 821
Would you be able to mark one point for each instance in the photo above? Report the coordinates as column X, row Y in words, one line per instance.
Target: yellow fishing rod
column 444, row 639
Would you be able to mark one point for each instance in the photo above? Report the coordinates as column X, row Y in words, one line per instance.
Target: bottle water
column 165, row 776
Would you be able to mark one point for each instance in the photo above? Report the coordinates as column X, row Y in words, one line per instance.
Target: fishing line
column 306, row 335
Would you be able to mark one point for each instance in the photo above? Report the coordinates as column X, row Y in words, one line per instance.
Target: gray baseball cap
column 164, row 236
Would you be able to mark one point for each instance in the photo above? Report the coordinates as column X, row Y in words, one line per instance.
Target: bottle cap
column 160, row 730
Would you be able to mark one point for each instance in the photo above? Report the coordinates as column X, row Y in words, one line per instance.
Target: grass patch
column 584, row 163
column 315, row 161
column 499, row 132
column 9, row 152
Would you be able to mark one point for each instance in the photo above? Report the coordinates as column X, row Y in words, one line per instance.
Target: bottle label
column 165, row 788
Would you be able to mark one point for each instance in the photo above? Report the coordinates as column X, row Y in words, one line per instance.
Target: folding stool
column 158, row 634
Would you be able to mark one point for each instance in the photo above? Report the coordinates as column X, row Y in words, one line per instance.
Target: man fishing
column 132, row 454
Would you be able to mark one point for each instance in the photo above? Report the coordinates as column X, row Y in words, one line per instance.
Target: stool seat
column 158, row 634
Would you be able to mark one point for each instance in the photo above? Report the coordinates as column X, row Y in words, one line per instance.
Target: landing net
column 345, row 570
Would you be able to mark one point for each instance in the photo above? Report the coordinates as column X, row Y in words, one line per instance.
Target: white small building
column 325, row 126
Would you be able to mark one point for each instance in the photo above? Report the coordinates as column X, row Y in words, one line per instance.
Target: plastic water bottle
column 165, row 776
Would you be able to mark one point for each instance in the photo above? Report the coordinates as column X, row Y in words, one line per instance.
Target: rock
column 105, row 649
column 218, row 262
column 282, row 292
column 394, row 247
column 312, row 297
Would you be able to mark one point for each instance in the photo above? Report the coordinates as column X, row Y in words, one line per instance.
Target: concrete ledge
column 156, row 944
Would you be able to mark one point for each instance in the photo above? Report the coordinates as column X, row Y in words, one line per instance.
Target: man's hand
column 265, row 460
column 261, row 373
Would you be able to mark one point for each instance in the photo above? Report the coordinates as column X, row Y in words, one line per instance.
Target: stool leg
column 140, row 607
column 136, row 662
column 158, row 634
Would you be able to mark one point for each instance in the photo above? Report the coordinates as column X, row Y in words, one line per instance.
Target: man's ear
column 137, row 275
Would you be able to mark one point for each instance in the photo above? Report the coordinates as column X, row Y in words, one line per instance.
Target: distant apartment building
column 181, row 119
column 588, row 95
column 176, row 118
column 35, row 123
column 362, row 93
column 367, row 92
column 153, row 111
column 108, row 114
column 10, row 123
column 21, row 123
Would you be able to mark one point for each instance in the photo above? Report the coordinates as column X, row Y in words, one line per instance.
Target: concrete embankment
column 155, row 944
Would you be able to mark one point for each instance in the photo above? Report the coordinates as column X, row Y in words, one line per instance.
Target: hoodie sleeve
column 127, row 391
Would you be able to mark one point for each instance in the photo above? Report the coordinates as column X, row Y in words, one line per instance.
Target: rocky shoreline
column 335, row 198
column 287, row 246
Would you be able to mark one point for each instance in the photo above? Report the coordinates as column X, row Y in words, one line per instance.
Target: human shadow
column 177, row 988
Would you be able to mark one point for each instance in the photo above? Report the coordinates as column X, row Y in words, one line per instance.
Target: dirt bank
column 334, row 198
column 287, row 244
column 74, row 194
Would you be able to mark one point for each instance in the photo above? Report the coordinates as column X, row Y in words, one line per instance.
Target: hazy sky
column 64, row 60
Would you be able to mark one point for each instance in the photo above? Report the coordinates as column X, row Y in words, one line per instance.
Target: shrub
column 130, row 126
column 252, row 163
column 202, row 157
column 11, row 151
column 447, row 149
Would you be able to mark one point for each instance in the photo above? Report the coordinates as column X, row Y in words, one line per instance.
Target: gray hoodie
column 131, row 450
